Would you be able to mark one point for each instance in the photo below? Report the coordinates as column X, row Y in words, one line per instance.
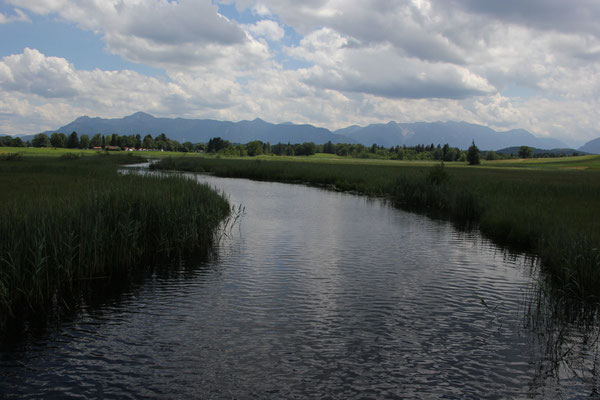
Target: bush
column 70, row 156
column 473, row 155
column 437, row 175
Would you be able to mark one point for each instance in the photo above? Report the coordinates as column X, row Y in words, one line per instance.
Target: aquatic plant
column 68, row 221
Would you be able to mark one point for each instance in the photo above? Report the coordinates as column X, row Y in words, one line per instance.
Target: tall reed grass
column 68, row 221
column 553, row 213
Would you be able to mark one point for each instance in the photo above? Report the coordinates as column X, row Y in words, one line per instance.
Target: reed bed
column 550, row 212
column 66, row 221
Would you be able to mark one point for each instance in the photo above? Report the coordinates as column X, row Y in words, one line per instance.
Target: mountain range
column 593, row 146
column 456, row 134
column 542, row 152
column 202, row 130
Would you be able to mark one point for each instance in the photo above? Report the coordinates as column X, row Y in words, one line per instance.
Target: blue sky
column 332, row 63
column 54, row 38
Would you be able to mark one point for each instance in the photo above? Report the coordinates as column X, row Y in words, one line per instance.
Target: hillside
column 201, row 130
column 538, row 152
column 456, row 134
column 593, row 146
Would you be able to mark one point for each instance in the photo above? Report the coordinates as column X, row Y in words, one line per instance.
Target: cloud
column 19, row 16
column 382, row 71
column 185, row 34
column 42, row 81
column 268, row 29
column 552, row 15
column 354, row 61
column 32, row 72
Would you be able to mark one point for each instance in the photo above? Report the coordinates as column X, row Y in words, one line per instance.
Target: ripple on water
column 314, row 294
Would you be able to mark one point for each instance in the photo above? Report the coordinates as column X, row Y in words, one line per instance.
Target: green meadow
column 57, row 152
column 549, row 207
column 68, row 220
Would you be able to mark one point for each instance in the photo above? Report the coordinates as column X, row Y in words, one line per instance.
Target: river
column 314, row 293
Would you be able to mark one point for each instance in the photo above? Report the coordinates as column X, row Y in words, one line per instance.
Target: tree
column 254, row 148
column 473, row 155
column 188, row 147
column 438, row 153
column 240, row 150
column 289, row 150
column 217, row 144
column 73, row 141
column 96, row 140
column 17, row 142
column 525, row 152
column 491, row 155
column 84, row 142
column 200, row 147
column 58, row 139
column 306, row 149
column 40, row 140
column 341, row 149
column 148, row 142
column 329, row 148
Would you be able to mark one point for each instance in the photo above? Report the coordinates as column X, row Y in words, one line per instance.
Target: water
column 314, row 294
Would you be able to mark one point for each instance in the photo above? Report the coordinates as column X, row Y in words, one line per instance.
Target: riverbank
column 66, row 221
column 549, row 208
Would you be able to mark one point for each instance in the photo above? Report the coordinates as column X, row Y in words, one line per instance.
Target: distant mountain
column 22, row 136
column 456, row 134
column 201, row 130
column 593, row 146
column 566, row 152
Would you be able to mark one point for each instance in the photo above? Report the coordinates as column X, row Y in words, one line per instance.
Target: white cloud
column 579, row 16
column 261, row 9
column 357, row 61
column 186, row 34
column 32, row 72
column 268, row 29
column 381, row 70
column 19, row 16
column 46, row 82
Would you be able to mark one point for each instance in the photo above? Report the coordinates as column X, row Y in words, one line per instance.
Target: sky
column 507, row 64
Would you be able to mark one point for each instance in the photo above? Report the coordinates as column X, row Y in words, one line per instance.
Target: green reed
column 64, row 221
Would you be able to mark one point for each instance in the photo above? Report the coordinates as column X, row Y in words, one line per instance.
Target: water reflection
column 566, row 336
column 315, row 294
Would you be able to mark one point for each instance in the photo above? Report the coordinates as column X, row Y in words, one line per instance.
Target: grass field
column 575, row 163
column 580, row 162
column 67, row 221
column 548, row 206
column 57, row 152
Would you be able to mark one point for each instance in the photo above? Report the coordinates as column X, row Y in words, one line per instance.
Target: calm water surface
column 313, row 294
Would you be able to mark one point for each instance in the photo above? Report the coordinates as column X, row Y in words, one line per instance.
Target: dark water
column 316, row 294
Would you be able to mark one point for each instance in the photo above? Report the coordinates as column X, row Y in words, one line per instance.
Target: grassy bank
column 65, row 221
column 550, row 208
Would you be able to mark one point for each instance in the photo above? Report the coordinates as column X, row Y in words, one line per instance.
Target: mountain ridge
column 456, row 134
column 593, row 146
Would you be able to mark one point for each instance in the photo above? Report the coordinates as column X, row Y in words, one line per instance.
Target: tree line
column 257, row 147
column 224, row 147
column 74, row 141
